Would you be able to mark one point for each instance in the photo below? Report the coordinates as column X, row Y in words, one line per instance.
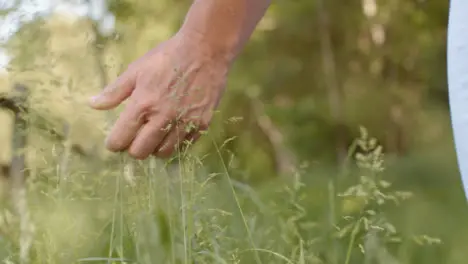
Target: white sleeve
column 457, row 70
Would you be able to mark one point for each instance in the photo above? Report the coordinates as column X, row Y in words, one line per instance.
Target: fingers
column 148, row 138
column 125, row 129
column 116, row 92
column 171, row 142
column 189, row 140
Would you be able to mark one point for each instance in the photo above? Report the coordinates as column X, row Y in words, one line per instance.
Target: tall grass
column 151, row 212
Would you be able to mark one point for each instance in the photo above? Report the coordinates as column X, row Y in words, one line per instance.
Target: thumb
column 115, row 93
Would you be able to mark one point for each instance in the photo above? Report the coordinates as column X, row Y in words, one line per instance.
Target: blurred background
column 313, row 74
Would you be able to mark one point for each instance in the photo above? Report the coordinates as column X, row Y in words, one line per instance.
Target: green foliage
column 369, row 228
column 224, row 202
column 179, row 214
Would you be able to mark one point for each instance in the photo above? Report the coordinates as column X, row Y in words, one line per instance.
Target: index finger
column 127, row 126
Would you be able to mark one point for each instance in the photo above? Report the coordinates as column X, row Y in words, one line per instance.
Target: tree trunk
column 335, row 93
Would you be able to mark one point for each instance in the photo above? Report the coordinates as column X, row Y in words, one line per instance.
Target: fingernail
column 95, row 99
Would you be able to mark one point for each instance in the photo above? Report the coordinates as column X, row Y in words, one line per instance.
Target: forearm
column 224, row 26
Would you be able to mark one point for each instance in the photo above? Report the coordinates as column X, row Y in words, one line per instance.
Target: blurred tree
column 310, row 109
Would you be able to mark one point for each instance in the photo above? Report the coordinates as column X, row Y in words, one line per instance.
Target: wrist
column 217, row 49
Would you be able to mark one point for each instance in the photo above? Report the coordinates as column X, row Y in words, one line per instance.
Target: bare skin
column 173, row 90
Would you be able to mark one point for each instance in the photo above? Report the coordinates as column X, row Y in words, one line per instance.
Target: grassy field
column 124, row 211
column 200, row 207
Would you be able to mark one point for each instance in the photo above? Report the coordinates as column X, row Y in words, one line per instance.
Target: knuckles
column 145, row 106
